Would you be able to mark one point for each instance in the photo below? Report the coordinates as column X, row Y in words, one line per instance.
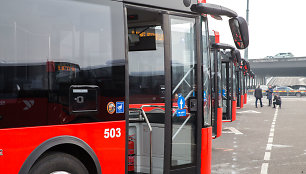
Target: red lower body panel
column 18, row 143
column 245, row 98
column 206, row 150
column 241, row 101
column 219, row 122
column 234, row 105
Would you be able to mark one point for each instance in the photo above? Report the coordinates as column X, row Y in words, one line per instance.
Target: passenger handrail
column 150, row 129
column 158, row 106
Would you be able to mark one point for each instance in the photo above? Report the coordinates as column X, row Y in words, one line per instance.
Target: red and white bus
column 106, row 86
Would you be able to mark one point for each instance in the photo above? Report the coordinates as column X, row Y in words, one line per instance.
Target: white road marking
column 280, row 146
column 249, row 111
column 270, row 140
column 232, row 130
column 227, row 132
column 269, row 147
column 267, row 156
column 264, row 168
column 235, row 131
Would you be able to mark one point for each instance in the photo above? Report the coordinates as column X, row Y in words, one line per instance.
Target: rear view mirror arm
column 213, row 9
column 222, row 46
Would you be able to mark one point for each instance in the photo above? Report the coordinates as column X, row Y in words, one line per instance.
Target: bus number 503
column 112, row 133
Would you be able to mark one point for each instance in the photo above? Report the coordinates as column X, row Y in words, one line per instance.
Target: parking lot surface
column 263, row 140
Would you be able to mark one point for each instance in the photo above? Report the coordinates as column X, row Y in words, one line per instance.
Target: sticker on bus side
column 120, row 107
column 181, row 102
column 111, row 108
column 181, row 113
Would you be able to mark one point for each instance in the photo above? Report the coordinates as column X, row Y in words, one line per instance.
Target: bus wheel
column 298, row 95
column 58, row 163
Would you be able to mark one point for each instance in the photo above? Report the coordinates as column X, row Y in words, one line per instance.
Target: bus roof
column 179, row 5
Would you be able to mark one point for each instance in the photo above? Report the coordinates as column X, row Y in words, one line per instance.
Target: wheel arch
column 60, row 143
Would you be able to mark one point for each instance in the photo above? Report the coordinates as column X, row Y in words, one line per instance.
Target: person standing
column 269, row 94
column 258, row 95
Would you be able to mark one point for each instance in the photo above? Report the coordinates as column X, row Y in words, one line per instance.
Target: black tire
column 58, row 161
column 298, row 94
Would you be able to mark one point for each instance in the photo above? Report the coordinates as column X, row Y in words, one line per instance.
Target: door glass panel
column 241, row 83
column 146, row 91
column 213, row 85
column 219, row 85
column 238, row 87
column 224, row 87
column 234, row 83
column 183, row 91
column 206, row 76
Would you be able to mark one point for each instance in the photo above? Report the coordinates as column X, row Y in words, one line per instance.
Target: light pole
column 246, row 52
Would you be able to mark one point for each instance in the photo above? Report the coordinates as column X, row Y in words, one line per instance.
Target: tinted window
column 60, row 53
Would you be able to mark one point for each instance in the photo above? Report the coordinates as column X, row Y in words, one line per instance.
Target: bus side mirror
column 213, row 9
column 240, row 32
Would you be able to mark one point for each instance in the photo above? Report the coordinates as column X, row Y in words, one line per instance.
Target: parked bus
column 107, row 86
column 229, row 61
column 240, row 85
column 246, row 68
column 215, row 72
column 225, row 58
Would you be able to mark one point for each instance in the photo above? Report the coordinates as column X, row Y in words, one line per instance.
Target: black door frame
column 229, row 88
column 168, row 105
column 185, row 169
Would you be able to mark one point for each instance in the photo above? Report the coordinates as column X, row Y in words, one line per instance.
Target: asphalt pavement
column 263, row 140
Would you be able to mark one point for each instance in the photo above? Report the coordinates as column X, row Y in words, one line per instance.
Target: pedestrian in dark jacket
column 269, row 94
column 277, row 101
column 258, row 95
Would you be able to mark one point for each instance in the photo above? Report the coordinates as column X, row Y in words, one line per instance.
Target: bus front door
column 183, row 113
column 226, row 91
column 163, row 92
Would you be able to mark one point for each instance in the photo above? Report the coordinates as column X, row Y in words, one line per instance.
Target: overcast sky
column 275, row 26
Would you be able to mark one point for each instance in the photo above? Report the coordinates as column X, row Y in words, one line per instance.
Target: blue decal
column 181, row 113
column 223, row 92
column 205, row 99
column 181, row 102
column 119, row 107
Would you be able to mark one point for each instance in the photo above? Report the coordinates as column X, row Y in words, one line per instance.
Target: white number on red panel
column 118, row 132
column 112, row 133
